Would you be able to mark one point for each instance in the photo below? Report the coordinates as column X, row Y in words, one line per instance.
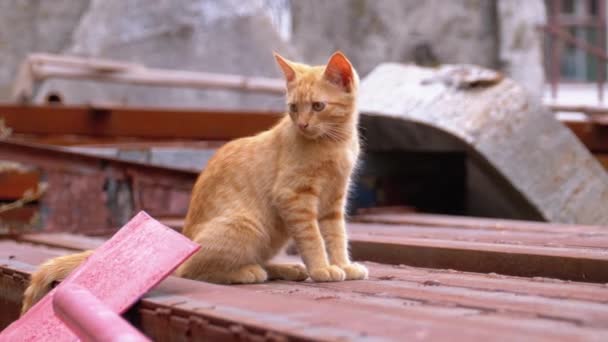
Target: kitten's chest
column 338, row 165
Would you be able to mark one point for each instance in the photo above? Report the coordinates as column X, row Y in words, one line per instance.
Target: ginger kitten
column 257, row 192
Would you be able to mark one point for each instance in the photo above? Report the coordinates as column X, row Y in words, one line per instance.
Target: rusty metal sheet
column 519, row 248
column 598, row 240
column 577, row 264
column 412, row 305
column 96, row 192
column 434, row 220
column 397, row 303
column 62, row 240
column 14, row 182
column 538, row 286
column 481, row 245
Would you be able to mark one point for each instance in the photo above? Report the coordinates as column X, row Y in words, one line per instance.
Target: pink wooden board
column 134, row 260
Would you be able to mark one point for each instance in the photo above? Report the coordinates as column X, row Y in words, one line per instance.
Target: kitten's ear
column 339, row 71
column 286, row 67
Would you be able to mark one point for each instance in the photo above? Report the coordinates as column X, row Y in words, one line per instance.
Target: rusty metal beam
column 60, row 125
column 135, row 122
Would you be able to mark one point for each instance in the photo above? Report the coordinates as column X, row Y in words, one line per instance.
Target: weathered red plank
column 544, row 287
column 179, row 307
column 314, row 319
column 413, row 306
column 577, row 312
column 62, row 240
column 516, row 237
column 529, row 261
column 396, row 299
column 476, row 223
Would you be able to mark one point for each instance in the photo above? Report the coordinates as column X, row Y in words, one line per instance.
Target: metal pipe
column 90, row 319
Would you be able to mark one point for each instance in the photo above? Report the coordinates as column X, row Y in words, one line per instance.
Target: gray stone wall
column 372, row 32
column 28, row 26
column 521, row 43
column 229, row 36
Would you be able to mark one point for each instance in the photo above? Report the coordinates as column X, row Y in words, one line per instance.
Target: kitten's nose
column 302, row 125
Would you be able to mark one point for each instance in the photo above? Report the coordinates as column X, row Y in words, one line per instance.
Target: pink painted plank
column 90, row 319
column 120, row 271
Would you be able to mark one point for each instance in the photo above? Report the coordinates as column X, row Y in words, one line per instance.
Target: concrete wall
column 233, row 36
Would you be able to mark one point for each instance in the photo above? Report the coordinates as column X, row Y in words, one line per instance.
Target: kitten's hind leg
column 230, row 248
column 292, row 272
column 249, row 274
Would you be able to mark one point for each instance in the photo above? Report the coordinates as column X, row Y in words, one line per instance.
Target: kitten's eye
column 318, row 106
column 293, row 108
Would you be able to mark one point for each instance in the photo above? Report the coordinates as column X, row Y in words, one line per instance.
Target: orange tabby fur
column 257, row 192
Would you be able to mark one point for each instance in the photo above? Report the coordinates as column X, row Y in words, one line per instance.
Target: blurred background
column 237, row 37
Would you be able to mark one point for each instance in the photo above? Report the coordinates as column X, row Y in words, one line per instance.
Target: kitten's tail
column 49, row 272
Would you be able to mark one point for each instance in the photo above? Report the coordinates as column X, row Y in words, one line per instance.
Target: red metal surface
column 62, row 240
column 398, row 302
column 90, row 319
column 143, row 251
column 168, row 123
column 476, row 223
column 14, row 183
column 517, row 248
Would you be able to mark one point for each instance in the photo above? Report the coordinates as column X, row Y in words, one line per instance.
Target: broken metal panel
column 78, row 201
column 91, row 193
column 164, row 197
column 535, row 161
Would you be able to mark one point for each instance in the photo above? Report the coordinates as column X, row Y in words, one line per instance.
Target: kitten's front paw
column 330, row 273
column 354, row 271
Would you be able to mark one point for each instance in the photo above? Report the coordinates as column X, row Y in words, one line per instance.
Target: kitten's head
column 321, row 100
